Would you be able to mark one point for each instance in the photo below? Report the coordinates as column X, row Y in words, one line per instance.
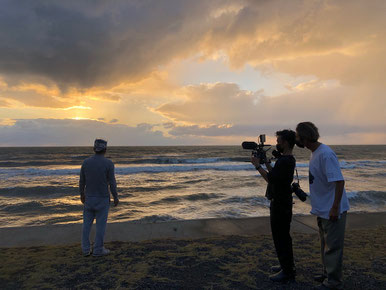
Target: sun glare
column 80, row 118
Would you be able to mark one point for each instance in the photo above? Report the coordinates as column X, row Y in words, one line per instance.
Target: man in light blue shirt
column 96, row 176
column 328, row 201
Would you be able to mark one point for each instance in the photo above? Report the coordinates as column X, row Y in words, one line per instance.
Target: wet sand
column 184, row 229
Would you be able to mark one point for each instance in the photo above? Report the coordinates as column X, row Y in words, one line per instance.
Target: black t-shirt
column 281, row 177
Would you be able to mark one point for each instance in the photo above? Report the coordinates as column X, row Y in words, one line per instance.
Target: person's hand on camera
column 255, row 161
column 116, row 201
column 334, row 214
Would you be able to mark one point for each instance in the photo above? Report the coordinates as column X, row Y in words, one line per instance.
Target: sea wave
column 354, row 164
column 173, row 160
column 194, row 165
column 367, row 197
column 155, row 218
column 250, row 200
column 33, row 207
column 125, row 170
column 38, row 191
column 190, row 197
column 63, row 219
column 76, row 160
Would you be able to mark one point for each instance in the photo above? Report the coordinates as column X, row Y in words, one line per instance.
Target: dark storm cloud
column 100, row 43
column 88, row 43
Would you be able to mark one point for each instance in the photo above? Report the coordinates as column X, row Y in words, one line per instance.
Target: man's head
column 100, row 146
column 306, row 134
column 285, row 140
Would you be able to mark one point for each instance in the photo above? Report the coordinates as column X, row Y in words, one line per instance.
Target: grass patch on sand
column 231, row 262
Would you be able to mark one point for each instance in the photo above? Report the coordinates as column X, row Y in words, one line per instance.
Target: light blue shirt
column 96, row 176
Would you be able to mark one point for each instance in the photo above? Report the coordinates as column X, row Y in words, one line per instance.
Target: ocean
column 39, row 186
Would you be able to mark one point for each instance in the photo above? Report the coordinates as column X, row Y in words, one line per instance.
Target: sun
column 80, row 118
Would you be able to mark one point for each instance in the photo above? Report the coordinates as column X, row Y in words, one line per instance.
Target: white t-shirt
column 324, row 171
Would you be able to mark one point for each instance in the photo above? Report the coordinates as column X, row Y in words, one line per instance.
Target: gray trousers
column 94, row 208
column 331, row 248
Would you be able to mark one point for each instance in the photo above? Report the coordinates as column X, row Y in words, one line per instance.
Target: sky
column 187, row 72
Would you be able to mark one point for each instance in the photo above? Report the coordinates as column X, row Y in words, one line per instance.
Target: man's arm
column 256, row 161
column 334, row 212
column 113, row 184
column 268, row 165
column 82, row 184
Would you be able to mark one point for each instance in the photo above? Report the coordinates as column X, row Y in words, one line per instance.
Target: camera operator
column 279, row 191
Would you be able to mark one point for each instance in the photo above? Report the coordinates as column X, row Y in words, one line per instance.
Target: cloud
column 77, row 107
column 234, row 134
column 4, row 103
column 67, row 132
column 255, row 130
column 75, row 46
column 103, row 96
column 64, row 54
column 33, row 94
column 211, row 103
column 219, row 130
column 334, row 40
column 232, row 111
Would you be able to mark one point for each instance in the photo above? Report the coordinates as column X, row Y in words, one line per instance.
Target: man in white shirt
column 328, row 201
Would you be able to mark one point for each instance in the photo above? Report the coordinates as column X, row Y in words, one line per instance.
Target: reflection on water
column 164, row 183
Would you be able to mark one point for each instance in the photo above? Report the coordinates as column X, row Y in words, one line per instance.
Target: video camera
column 258, row 150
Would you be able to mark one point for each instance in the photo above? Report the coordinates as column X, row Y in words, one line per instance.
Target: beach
column 189, row 218
column 192, row 254
column 191, row 127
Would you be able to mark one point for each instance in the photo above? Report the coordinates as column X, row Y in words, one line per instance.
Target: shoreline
column 51, row 235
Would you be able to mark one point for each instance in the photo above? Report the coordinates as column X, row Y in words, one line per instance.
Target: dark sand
column 224, row 262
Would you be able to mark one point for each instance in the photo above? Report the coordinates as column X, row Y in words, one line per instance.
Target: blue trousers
column 94, row 208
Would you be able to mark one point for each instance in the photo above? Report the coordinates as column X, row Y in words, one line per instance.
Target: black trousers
column 281, row 216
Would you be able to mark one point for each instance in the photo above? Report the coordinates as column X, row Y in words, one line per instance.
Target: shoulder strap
column 297, row 176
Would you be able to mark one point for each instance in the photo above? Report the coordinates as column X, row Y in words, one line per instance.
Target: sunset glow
column 191, row 72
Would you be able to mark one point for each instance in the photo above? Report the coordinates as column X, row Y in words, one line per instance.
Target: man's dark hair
column 308, row 131
column 289, row 136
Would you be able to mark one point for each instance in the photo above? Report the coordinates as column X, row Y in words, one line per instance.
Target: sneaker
column 320, row 278
column 88, row 253
column 282, row 277
column 277, row 268
column 103, row 253
column 322, row 287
